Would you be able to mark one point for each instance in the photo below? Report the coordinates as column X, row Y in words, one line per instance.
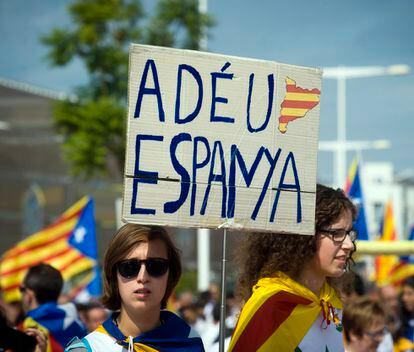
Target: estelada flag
column 69, row 245
column 353, row 189
column 405, row 267
column 281, row 312
column 384, row 264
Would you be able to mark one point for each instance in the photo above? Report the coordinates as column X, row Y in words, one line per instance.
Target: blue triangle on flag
column 83, row 238
column 355, row 193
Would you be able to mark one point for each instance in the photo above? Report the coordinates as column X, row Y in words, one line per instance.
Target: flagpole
column 223, row 293
column 203, row 235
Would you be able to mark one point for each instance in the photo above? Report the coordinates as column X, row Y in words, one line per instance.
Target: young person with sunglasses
column 290, row 282
column 141, row 269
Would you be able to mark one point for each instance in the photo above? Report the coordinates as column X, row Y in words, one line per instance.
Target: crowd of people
column 295, row 293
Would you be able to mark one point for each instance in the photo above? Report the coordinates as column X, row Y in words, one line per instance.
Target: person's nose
column 347, row 244
column 143, row 275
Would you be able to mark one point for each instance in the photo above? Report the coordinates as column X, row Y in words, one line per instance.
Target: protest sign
column 219, row 141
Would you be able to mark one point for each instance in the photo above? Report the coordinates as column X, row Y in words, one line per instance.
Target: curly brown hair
column 288, row 253
column 125, row 240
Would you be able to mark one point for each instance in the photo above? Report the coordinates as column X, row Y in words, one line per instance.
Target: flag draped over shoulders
column 173, row 335
column 58, row 322
column 279, row 314
column 69, row 245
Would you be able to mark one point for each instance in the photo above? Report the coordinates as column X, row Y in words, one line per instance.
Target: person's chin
column 337, row 272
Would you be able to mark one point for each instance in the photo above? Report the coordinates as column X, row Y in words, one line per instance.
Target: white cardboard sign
column 219, row 141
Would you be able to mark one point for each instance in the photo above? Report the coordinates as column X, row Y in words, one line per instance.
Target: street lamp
column 341, row 74
column 355, row 145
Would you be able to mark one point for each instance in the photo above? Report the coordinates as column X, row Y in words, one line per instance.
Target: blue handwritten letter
column 150, row 91
column 287, row 186
column 197, row 78
column 141, row 176
column 172, row 207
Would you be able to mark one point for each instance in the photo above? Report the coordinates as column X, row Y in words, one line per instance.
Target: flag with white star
column 353, row 189
column 69, row 245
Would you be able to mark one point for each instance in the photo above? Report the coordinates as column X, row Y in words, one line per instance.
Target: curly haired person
column 291, row 283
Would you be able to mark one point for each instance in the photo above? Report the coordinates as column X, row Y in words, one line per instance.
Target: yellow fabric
column 384, row 264
column 403, row 344
column 292, row 330
column 29, row 322
column 400, row 273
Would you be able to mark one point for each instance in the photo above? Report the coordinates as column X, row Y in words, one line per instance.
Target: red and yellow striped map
column 297, row 103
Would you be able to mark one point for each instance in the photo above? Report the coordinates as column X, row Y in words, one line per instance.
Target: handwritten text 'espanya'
column 213, row 153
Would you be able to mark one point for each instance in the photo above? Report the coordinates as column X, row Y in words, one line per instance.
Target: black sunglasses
column 155, row 267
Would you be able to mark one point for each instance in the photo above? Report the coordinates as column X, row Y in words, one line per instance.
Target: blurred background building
column 381, row 184
column 35, row 182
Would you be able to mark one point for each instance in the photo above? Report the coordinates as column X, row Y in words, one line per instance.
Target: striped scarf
column 173, row 335
column 279, row 314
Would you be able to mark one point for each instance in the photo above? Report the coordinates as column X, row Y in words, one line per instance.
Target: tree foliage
column 100, row 34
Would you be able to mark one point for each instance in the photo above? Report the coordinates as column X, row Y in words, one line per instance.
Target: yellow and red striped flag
column 297, row 103
column 384, row 264
column 281, row 312
column 69, row 245
column 405, row 267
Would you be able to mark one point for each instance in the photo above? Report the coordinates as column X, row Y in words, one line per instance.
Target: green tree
column 101, row 31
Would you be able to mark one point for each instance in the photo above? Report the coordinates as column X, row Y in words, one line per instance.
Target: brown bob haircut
column 125, row 240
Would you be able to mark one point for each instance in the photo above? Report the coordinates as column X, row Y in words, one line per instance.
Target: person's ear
column 31, row 297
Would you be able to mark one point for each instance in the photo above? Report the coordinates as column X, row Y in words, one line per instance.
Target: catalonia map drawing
column 297, row 103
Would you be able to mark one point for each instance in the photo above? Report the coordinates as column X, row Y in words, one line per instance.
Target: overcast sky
column 319, row 33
